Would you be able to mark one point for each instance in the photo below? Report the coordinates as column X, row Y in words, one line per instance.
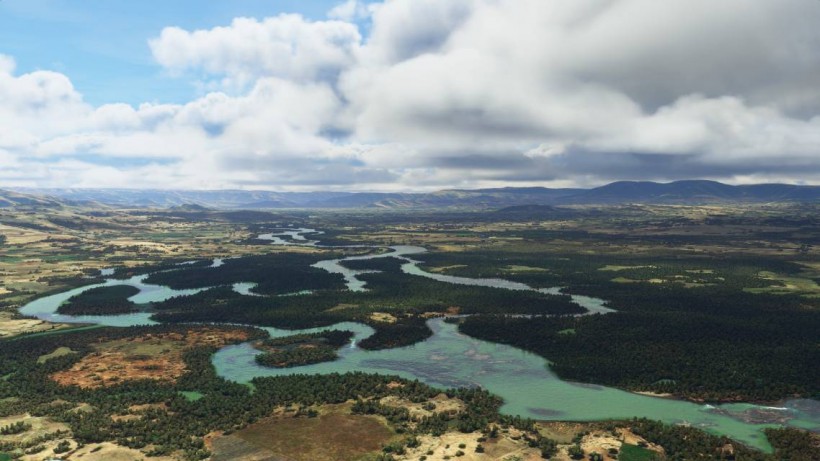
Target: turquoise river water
column 449, row 359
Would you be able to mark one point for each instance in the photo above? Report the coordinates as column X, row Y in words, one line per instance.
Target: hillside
column 693, row 191
column 622, row 192
column 10, row 199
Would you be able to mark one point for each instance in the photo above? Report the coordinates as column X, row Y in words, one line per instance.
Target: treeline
column 123, row 272
column 682, row 443
column 572, row 269
column 404, row 296
column 706, row 350
column 332, row 338
column 386, row 264
column 698, row 334
column 15, row 428
column 273, row 274
column 403, row 332
column 302, row 349
column 793, row 444
column 111, row 300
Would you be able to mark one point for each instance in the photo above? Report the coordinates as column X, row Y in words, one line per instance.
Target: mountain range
column 622, row 192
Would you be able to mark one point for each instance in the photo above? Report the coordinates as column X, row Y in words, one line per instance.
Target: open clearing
column 59, row 352
column 332, row 436
column 787, row 285
column 153, row 356
column 11, row 326
column 440, row 404
column 517, row 268
column 448, row 445
column 612, row 268
column 111, row 452
column 41, row 429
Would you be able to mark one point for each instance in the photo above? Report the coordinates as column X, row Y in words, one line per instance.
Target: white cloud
column 695, row 80
column 351, row 10
column 285, row 46
column 455, row 93
column 39, row 103
column 7, row 64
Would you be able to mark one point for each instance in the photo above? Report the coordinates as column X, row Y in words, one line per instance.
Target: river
column 450, row 359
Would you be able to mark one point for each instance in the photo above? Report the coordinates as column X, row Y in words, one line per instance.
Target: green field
column 636, row 453
column 192, row 396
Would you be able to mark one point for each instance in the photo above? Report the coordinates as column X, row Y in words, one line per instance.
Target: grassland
column 332, row 434
column 636, row 453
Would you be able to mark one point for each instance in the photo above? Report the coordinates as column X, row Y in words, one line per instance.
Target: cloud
column 406, row 29
column 707, row 85
column 351, row 10
column 459, row 93
column 7, row 64
column 285, row 46
column 39, row 102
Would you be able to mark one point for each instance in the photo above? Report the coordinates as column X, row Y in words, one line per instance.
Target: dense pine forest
column 402, row 295
column 111, row 300
column 302, row 349
column 709, row 344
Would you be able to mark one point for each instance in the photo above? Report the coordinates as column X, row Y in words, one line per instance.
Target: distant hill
column 189, row 207
column 536, row 211
column 622, row 192
column 9, row 199
column 694, row 191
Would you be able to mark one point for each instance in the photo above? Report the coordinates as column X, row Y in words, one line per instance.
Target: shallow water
column 46, row 308
column 297, row 237
column 244, row 288
column 451, row 359
column 522, row 379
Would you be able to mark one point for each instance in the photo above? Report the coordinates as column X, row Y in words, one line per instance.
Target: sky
column 407, row 94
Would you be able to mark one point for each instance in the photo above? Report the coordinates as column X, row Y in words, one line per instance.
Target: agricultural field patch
column 784, row 284
column 10, row 325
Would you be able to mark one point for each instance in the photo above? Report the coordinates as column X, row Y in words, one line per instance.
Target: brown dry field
column 153, row 356
column 334, row 435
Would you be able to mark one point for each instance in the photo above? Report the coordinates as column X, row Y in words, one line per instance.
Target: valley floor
column 712, row 304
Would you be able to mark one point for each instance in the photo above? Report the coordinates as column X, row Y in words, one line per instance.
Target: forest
column 695, row 318
column 225, row 406
column 274, row 274
column 697, row 344
column 229, row 406
column 404, row 296
column 703, row 328
column 302, row 349
column 112, row 300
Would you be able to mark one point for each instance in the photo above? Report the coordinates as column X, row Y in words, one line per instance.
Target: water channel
column 451, row 359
